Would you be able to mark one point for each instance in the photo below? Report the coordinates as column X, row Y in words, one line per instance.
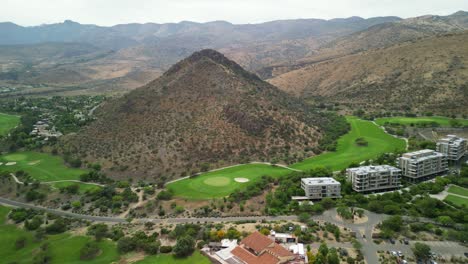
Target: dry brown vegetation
column 429, row 74
column 204, row 109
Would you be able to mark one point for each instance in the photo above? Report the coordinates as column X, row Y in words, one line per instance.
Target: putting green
column 443, row 121
column 7, row 123
column 15, row 157
column 40, row 166
column 347, row 152
column 217, row 181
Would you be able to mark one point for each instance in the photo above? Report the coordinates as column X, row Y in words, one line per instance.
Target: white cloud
column 111, row 12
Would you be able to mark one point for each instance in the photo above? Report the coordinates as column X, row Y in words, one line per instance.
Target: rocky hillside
column 205, row 109
column 430, row 74
column 376, row 37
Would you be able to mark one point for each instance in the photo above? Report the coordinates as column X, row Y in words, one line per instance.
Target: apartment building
column 318, row 188
column 374, row 178
column 452, row 146
column 422, row 164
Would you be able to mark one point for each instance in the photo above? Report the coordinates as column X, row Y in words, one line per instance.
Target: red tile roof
column 250, row 258
column 280, row 251
column 257, row 241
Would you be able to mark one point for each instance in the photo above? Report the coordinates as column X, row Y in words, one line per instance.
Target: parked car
column 406, row 241
column 394, row 253
column 466, row 254
column 400, row 254
column 392, row 240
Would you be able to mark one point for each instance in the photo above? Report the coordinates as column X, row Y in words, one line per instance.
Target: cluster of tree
column 324, row 255
column 139, row 242
column 95, row 176
column 335, row 127
column 361, row 142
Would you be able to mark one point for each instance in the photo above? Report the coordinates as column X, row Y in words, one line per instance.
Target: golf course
column 222, row 182
column 442, row 121
column 40, row 166
column 64, row 248
column 457, row 195
column 7, row 123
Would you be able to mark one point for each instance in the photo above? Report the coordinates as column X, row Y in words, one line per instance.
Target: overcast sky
column 111, row 12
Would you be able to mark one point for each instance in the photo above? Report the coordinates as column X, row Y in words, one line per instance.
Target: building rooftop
column 451, row 139
column 370, row 169
column 257, row 241
column 320, row 181
column 422, row 154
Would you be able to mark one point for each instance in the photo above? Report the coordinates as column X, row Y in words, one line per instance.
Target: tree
column 421, row 251
column 333, row 257
column 89, row 251
column 184, row 246
column 323, row 249
column 99, row 231
column 126, row 244
column 393, row 223
column 304, row 217
column 445, row 220
column 327, row 203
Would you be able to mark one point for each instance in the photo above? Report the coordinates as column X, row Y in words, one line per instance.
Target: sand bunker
column 1, row 163
column 241, row 180
column 34, row 162
column 10, row 163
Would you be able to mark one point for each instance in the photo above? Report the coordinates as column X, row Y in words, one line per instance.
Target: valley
column 321, row 141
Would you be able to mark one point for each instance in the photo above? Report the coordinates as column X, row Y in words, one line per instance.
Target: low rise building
column 318, row 188
column 422, row 164
column 452, row 146
column 374, row 178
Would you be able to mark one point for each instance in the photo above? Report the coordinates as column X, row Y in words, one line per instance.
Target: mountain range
column 350, row 60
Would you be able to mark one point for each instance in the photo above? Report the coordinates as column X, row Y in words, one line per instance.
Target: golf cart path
column 52, row 182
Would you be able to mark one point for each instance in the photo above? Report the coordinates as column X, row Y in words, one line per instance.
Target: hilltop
column 425, row 75
column 205, row 109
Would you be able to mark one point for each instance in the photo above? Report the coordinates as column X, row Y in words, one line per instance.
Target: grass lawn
column 63, row 248
column 443, row 121
column 221, row 183
column 84, row 188
column 7, row 123
column 458, row 190
column 196, row 258
column 348, row 152
column 40, row 166
column 460, row 201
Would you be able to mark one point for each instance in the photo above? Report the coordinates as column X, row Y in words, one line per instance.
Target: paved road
column 63, row 213
column 144, row 220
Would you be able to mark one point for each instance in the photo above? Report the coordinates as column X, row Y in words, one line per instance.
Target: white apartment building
column 422, row 164
column 318, row 188
column 374, row 178
column 452, row 146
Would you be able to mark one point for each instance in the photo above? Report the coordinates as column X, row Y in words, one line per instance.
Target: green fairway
column 63, row 248
column 40, row 166
column 457, row 200
column 221, row 183
column 196, row 258
column 84, row 188
column 348, row 152
column 7, row 123
column 442, row 121
column 458, row 190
